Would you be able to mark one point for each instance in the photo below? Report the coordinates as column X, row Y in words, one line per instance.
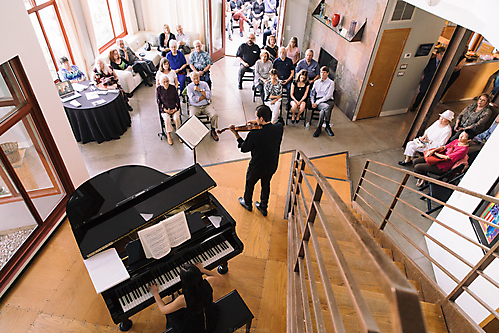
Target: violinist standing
column 264, row 145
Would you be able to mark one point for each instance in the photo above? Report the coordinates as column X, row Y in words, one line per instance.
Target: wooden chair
column 233, row 314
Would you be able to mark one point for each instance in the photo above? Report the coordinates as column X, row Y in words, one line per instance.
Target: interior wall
column 425, row 28
column 353, row 58
column 14, row 17
column 479, row 178
column 295, row 20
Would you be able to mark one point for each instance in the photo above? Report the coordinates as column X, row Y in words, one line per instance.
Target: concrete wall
column 479, row 178
column 353, row 58
column 425, row 28
column 15, row 25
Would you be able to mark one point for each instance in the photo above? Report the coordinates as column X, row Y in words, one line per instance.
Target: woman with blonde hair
column 293, row 52
column 106, row 78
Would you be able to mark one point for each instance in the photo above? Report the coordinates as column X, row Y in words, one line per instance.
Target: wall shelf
column 355, row 38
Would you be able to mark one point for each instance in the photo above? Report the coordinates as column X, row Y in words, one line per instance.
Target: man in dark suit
column 428, row 73
column 264, row 145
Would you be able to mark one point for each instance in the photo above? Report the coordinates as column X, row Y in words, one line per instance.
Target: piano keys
column 109, row 209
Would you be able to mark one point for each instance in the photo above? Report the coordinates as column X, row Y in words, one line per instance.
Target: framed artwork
column 424, row 50
column 488, row 211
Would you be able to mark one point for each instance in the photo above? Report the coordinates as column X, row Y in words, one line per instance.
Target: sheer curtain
column 188, row 13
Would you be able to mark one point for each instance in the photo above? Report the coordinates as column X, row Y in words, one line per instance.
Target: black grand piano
column 108, row 210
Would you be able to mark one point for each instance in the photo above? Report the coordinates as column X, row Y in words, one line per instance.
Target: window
column 403, row 11
column 49, row 29
column 34, row 183
column 108, row 21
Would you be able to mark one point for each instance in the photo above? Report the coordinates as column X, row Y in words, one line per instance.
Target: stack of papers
column 106, row 270
column 75, row 103
column 98, row 102
column 92, row 95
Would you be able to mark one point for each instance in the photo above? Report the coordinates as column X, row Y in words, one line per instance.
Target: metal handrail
column 476, row 270
column 403, row 299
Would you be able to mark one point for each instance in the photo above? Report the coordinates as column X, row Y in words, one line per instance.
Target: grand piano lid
column 119, row 201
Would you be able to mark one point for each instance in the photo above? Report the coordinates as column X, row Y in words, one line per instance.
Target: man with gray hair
column 199, row 95
column 310, row 65
column 183, row 40
column 200, row 62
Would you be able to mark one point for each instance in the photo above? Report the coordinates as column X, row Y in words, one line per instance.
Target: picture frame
column 488, row 211
column 424, row 50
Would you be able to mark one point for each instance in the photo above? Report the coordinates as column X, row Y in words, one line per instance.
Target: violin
column 244, row 128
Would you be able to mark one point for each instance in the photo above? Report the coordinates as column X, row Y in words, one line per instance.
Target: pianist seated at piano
column 194, row 310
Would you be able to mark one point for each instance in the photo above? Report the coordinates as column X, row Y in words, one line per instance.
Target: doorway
column 385, row 64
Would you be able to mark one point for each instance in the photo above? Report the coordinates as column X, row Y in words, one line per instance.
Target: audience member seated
column 117, row 62
column 183, row 40
column 106, row 78
column 273, row 95
column 70, row 72
column 299, row 95
column 435, row 136
column 194, row 310
column 484, row 136
column 166, row 70
column 293, row 52
column 238, row 14
column 164, row 40
column 321, row 98
column 228, row 19
column 286, row 71
column 474, row 117
column 257, row 15
column 270, row 12
column 247, row 54
column 199, row 95
column 272, row 48
column 200, row 62
column 169, row 105
column 270, row 31
column 144, row 67
column 178, row 64
column 262, row 69
column 310, row 65
column 440, row 160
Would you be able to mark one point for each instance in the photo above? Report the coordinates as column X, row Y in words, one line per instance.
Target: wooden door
column 384, row 68
column 216, row 28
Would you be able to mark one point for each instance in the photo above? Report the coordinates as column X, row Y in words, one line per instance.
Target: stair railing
column 306, row 206
column 372, row 189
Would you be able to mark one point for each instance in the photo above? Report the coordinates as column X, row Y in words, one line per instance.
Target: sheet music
column 192, row 131
column 106, row 270
column 92, row 95
column 177, row 229
column 155, row 241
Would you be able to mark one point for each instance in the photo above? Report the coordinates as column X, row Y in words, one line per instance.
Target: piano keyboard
column 137, row 292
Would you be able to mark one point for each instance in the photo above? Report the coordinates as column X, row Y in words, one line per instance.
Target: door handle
column 372, row 85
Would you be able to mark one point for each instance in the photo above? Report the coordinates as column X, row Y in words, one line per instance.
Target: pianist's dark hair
column 197, row 291
column 264, row 112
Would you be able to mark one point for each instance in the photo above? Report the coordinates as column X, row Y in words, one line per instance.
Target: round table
column 100, row 123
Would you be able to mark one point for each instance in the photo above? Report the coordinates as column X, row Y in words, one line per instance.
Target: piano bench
column 233, row 314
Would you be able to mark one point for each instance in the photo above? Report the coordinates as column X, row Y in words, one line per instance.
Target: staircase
column 342, row 276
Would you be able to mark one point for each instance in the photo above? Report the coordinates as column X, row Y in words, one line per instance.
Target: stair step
column 389, row 253
column 401, row 266
column 434, row 318
column 370, row 231
column 378, row 241
column 417, row 285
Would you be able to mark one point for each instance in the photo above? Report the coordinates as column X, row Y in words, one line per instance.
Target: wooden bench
column 233, row 314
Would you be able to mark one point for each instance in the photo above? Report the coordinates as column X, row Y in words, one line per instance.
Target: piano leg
column 125, row 325
column 223, row 268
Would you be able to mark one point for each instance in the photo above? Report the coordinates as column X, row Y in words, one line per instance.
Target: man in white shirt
column 322, row 100
column 199, row 95
column 183, row 40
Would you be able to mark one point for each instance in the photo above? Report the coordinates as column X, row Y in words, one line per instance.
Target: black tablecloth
column 98, row 123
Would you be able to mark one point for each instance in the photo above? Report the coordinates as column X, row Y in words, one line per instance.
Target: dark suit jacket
column 428, row 73
column 264, row 145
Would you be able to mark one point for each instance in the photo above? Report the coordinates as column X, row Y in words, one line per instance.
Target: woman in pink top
column 293, row 50
column 451, row 153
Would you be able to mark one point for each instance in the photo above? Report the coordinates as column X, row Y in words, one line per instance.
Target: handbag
column 148, row 46
column 432, row 160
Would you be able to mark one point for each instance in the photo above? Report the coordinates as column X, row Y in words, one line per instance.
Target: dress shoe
column 243, row 203
column 262, row 210
column 404, row 163
column 329, row 131
column 240, row 87
column 214, row 135
column 317, row 132
column 129, row 107
column 129, row 95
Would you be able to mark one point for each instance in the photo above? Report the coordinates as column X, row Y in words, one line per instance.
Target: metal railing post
column 394, row 201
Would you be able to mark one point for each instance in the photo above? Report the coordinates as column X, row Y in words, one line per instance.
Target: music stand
column 192, row 131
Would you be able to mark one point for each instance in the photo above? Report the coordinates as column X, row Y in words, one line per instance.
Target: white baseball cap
column 447, row 114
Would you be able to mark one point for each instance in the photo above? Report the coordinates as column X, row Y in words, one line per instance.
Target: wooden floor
column 55, row 293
